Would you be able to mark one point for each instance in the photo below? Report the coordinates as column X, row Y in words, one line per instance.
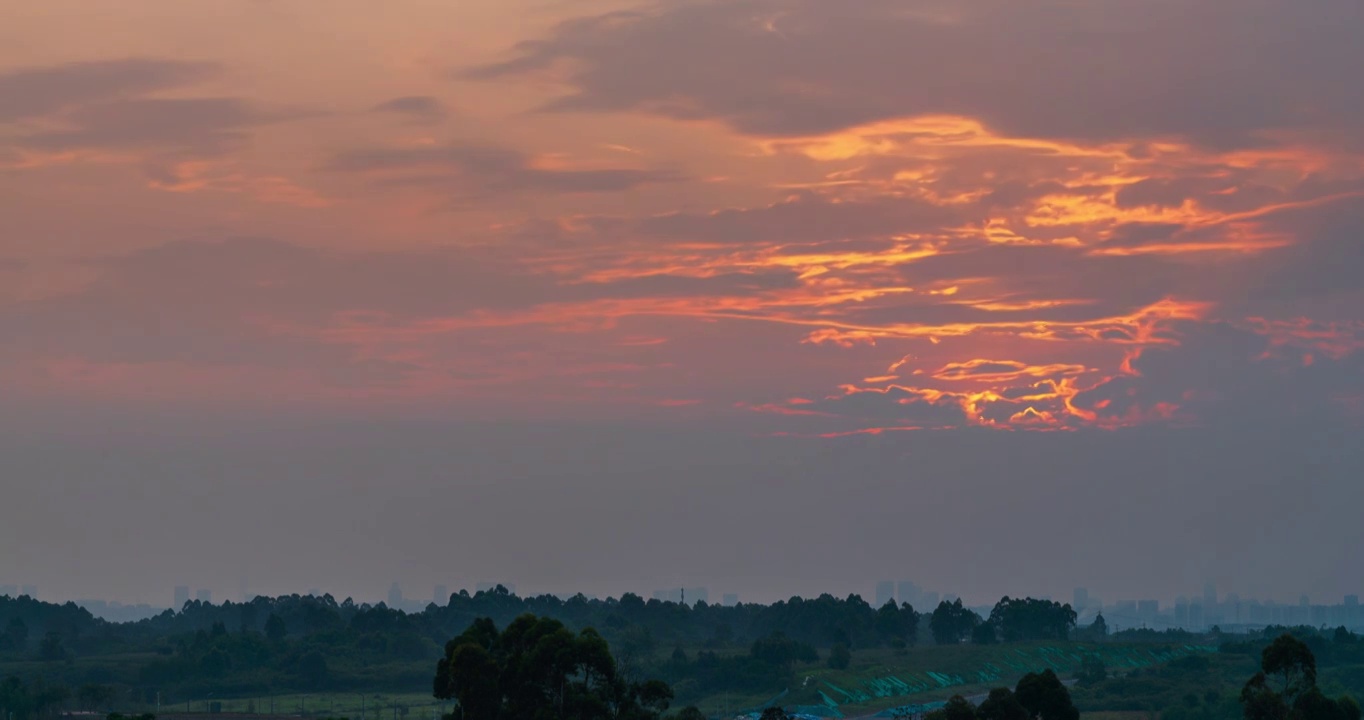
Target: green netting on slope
column 1015, row 661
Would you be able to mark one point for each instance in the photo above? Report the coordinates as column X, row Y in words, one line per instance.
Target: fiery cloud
column 826, row 240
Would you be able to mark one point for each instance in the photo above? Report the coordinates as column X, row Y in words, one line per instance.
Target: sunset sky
column 772, row 296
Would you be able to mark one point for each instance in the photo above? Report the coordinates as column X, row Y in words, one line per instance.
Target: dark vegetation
column 1292, row 672
column 537, row 668
column 60, row 658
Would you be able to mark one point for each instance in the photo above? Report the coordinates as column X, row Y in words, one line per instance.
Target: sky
column 774, row 297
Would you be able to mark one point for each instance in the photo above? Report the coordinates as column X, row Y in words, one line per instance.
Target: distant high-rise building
column 395, row 595
column 1351, row 601
column 730, row 599
column 930, row 601
column 1079, row 599
column 30, row 590
column 9, row 591
column 885, row 592
column 1209, row 596
column 181, row 597
column 907, row 592
column 1148, row 611
column 698, row 594
column 204, row 595
column 1195, row 616
column 1303, row 601
column 441, row 596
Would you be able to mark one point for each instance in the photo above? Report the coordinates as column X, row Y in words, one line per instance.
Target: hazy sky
column 772, row 296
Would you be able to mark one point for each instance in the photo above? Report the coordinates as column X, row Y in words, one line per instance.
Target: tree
column 94, row 697
column 16, row 634
column 957, row 708
column 774, row 713
column 1092, row 670
column 537, row 668
column 1099, row 628
column 1260, row 702
column 952, row 623
column 1001, row 705
column 275, row 629
column 840, row 657
column 897, row 622
column 51, row 647
column 984, row 634
column 1290, row 661
column 690, row 712
column 312, row 669
column 780, row 651
column 1292, row 693
column 1044, row 697
column 1031, row 619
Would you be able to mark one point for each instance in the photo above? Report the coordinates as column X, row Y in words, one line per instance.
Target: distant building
column 907, row 592
column 395, row 595
column 1124, row 614
column 30, row 590
column 1079, row 599
column 441, row 596
column 730, row 599
column 204, row 595
column 9, row 591
column 1148, row 611
column 1303, row 601
column 1351, row 601
column 698, row 594
column 930, row 601
column 1196, row 616
column 1209, row 596
column 181, row 597
column 885, row 592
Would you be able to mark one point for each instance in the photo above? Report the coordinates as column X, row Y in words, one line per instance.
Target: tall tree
column 1001, row 705
column 539, row 670
column 952, row 623
column 1286, row 687
column 1292, row 664
column 1045, row 697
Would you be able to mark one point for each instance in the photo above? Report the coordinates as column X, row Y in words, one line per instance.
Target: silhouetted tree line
column 317, row 644
column 1011, row 620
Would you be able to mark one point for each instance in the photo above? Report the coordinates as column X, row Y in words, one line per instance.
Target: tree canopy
column 537, row 669
column 1286, row 687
